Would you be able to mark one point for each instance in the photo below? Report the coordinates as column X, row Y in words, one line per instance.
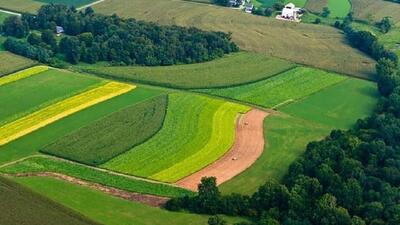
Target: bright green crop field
column 197, row 131
column 337, row 106
column 286, row 138
column 10, row 63
column 21, row 206
column 109, row 210
column 30, row 94
column 112, row 135
column 41, row 164
column 30, row 144
column 230, row 70
column 339, row 8
column 282, row 89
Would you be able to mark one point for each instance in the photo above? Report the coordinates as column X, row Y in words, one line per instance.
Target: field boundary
column 150, row 200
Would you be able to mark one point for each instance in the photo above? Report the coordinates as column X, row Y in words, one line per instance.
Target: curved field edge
column 31, row 143
column 48, row 164
column 43, row 89
column 187, row 131
column 110, row 210
column 52, row 113
column 22, row 74
column 20, row 205
column 231, row 70
column 113, row 135
column 279, row 90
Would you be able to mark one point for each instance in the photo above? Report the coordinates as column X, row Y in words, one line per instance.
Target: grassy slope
column 376, row 9
column 233, row 69
column 319, row 46
column 21, row 5
column 316, row 6
column 339, row 8
column 112, row 135
column 31, row 143
column 10, row 63
column 30, row 94
column 41, row 164
column 191, row 123
column 21, row 206
column 338, row 106
column 291, row 85
column 110, row 210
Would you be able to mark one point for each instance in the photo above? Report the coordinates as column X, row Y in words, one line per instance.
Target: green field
column 339, row 8
column 197, row 131
column 30, row 144
column 316, row 6
column 21, row 98
column 286, row 139
column 282, row 89
column 41, row 164
column 109, row 210
column 21, row 206
column 75, row 3
column 319, row 46
column 10, row 63
column 21, row 5
column 112, row 135
column 338, row 106
column 230, row 70
column 375, row 10
column 3, row 16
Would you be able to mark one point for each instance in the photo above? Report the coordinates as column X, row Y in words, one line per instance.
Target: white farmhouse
column 290, row 12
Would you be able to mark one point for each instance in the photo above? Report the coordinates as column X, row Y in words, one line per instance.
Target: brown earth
column 151, row 200
column 248, row 147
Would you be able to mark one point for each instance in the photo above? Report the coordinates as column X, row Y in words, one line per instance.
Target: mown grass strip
column 112, row 135
column 22, row 74
column 50, row 114
column 222, row 138
column 44, row 164
column 192, row 121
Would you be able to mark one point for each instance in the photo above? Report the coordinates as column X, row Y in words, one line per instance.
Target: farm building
column 248, row 7
column 59, row 30
column 290, row 12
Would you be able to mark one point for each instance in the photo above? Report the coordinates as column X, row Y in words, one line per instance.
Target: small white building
column 290, row 12
column 59, row 30
column 248, row 7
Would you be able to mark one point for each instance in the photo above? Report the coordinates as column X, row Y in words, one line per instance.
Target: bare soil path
column 151, row 200
column 248, row 147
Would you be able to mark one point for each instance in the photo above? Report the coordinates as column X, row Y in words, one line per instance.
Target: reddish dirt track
column 248, row 147
column 150, row 200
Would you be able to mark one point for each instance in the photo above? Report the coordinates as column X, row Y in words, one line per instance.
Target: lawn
column 41, row 164
column 230, row 70
column 112, row 135
column 286, row 139
column 338, row 106
column 197, row 131
column 59, row 110
column 10, row 63
column 30, row 144
column 339, row 8
column 21, row 206
column 109, row 210
column 319, row 46
column 282, row 89
column 18, row 99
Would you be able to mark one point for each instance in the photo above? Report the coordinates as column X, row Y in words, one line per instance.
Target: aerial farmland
column 133, row 112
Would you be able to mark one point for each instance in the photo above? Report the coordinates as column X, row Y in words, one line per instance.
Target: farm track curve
column 150, row 200
column 248, row 147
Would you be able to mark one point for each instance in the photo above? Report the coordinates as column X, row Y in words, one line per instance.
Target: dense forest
column 91, row 37
column 349, row 178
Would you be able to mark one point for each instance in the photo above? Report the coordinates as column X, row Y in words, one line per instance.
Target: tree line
column 350, row 178
column 92, row 37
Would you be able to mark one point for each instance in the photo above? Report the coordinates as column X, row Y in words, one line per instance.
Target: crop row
column 59, row 110
column 22, row 74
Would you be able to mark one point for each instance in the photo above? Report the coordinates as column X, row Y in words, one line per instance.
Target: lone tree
column 325, row 12
column 385, row 24
column 209, row 196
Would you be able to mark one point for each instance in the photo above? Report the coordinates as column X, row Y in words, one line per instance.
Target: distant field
column 21, row 5
column 197, row 131
column 284, row 88
column 10, row 63
column 320, row 46
column 112, row 135
column 75, row 3
column 109, row 210
column 338, row 106
column 41, row 164
column 339, row 8
column 233, row 69
column 30, row 144
column 25, row 96
column 376, row 10
column 286, row 139
column 316, row 6
column 21, row 206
